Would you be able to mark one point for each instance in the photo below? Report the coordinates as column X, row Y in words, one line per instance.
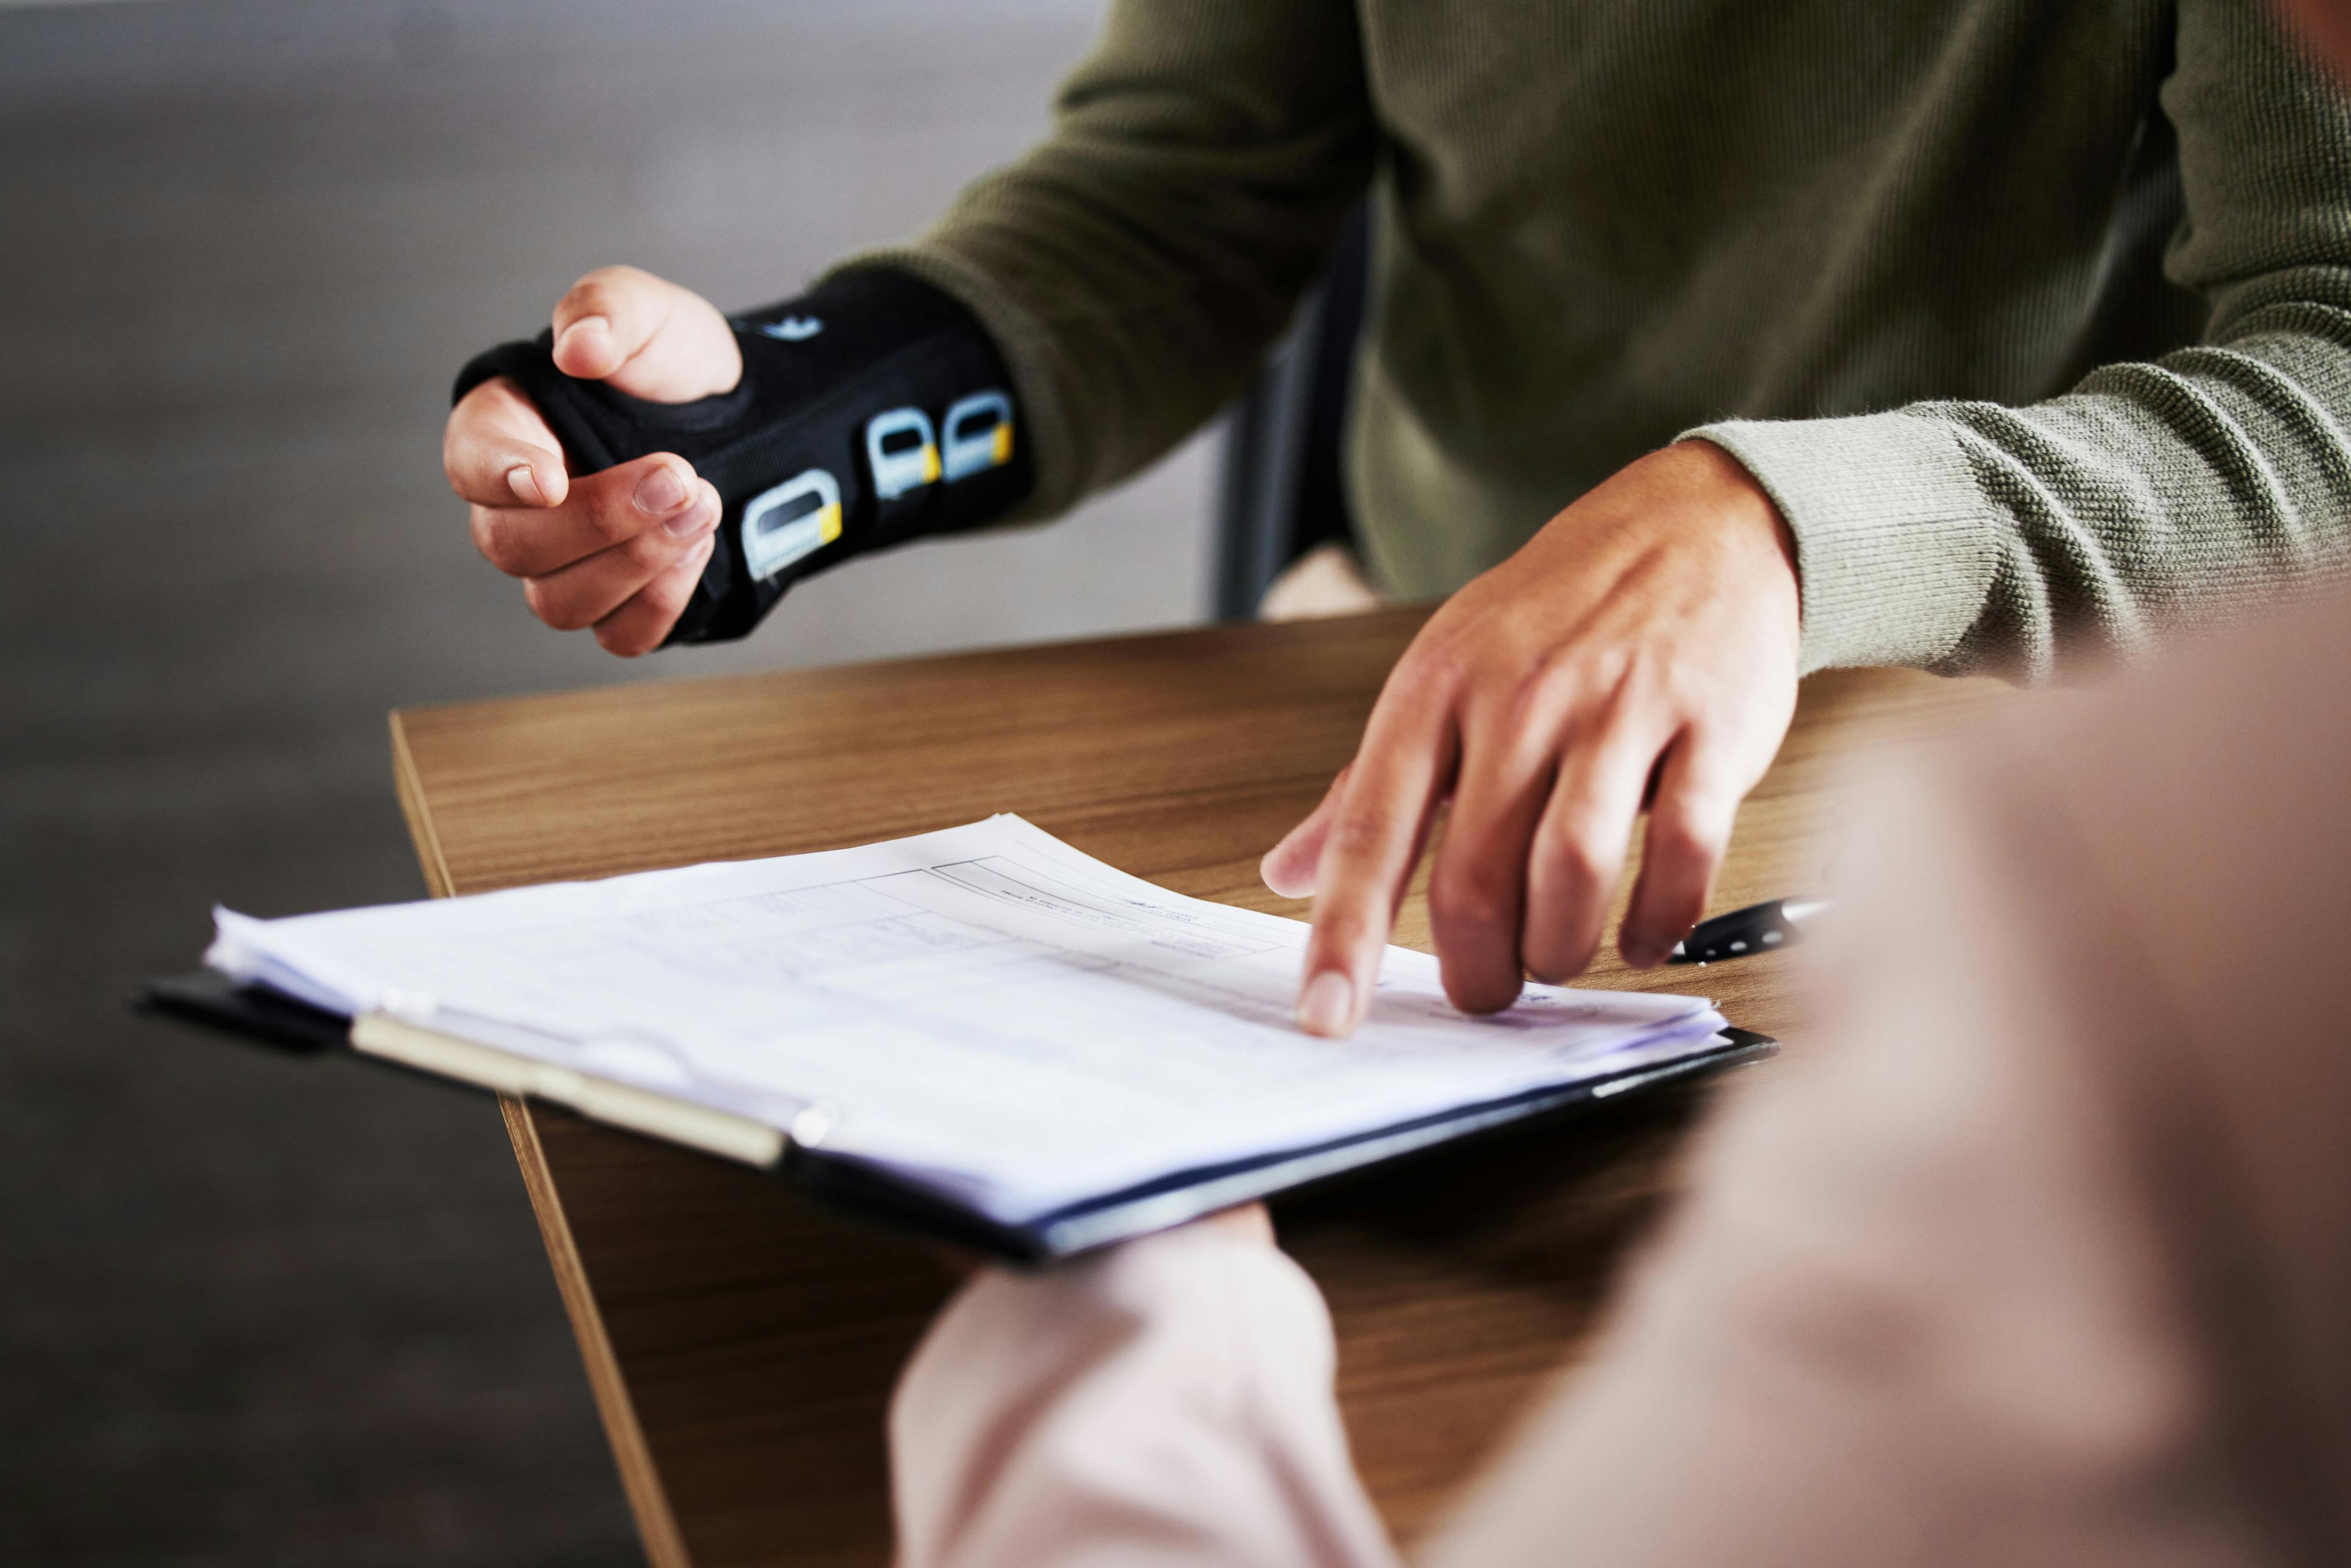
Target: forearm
column 1135, row 266
column 1966, row 536
column 1972, row 538
column 1167, row 1402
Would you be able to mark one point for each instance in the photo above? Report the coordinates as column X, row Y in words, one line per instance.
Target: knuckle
column 621, row 640
column 1662, row 902
column 1550, row 683
column 1693, row 822
column 1469, row 902
column 1678, row 837
column 605, row 288
column 550, row 605
column 591, row 289
column 667, row 594
column 1682, row 688
column 453, row 442
column 1560, row 945
column 477, row 403
column 1355, row 835
column 1577, row 865
column 1615, row 685
column 646, row 553
column 489, row 535
column 1343, row 926
column 1438, row 666
column 500, row 536
column 611, row 513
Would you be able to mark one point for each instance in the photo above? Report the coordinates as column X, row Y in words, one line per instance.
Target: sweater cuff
column 1895, row 540
column 1027, row 352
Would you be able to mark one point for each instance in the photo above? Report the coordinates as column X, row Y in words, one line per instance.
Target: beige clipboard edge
column 720, row 1133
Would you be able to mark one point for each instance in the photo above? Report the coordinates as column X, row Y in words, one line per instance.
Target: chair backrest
column 1282, row 491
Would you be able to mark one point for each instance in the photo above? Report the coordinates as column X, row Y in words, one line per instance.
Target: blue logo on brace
column 790, row 329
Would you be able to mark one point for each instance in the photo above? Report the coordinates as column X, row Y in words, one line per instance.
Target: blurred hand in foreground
column 1641, row 648
column 619, row 550
column 1249, row 1223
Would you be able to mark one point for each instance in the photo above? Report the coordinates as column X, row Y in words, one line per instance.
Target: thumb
column 1290, row 867
column 645, row 336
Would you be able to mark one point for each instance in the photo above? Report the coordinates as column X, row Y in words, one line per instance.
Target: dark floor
column 253, row 1311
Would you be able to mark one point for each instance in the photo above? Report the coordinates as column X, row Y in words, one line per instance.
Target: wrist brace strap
column 872, row 411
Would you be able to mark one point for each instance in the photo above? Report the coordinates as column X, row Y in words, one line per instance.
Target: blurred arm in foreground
column 2041, row 1255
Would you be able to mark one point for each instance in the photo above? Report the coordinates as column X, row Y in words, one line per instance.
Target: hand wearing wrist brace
column 868, row 412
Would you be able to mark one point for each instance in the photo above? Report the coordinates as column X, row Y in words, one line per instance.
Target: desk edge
column 419, row 816
column 640, row 1480
column 631, row 1455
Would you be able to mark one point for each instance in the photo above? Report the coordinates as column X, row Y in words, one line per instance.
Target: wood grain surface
column 742, row 1345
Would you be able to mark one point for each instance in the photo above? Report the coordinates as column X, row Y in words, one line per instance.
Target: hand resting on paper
column 619, row 550
column 1641, row 649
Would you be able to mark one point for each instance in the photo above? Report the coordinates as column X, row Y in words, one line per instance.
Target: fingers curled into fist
column 618, row 550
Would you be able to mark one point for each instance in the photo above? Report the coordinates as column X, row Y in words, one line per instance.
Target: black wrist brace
column 872, row 411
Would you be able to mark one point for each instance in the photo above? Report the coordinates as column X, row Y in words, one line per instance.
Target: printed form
column 983, row 1010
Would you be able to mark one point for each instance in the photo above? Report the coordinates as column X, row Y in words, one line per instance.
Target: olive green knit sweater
column 2034, row 316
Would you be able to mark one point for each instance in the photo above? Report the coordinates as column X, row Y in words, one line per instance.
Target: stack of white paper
column 985, row 1012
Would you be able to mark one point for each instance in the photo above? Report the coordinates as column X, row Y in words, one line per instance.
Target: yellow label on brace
column 1003, row 451
column 828, row 524
column 930, row 463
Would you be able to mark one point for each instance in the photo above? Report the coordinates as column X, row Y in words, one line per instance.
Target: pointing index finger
column 1376, row 833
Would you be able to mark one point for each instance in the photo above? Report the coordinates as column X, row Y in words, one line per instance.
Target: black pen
column 1758, row 928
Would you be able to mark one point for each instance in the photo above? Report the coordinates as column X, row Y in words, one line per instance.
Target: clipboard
column 211, row 1001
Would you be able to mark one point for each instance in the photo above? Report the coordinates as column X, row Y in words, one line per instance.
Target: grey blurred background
column 250, row 1312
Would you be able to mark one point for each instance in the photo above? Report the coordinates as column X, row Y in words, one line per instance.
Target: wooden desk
column 742, row 1346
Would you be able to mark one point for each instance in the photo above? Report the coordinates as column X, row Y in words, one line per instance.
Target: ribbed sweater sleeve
column 1969, row 535
column 1135, row 266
